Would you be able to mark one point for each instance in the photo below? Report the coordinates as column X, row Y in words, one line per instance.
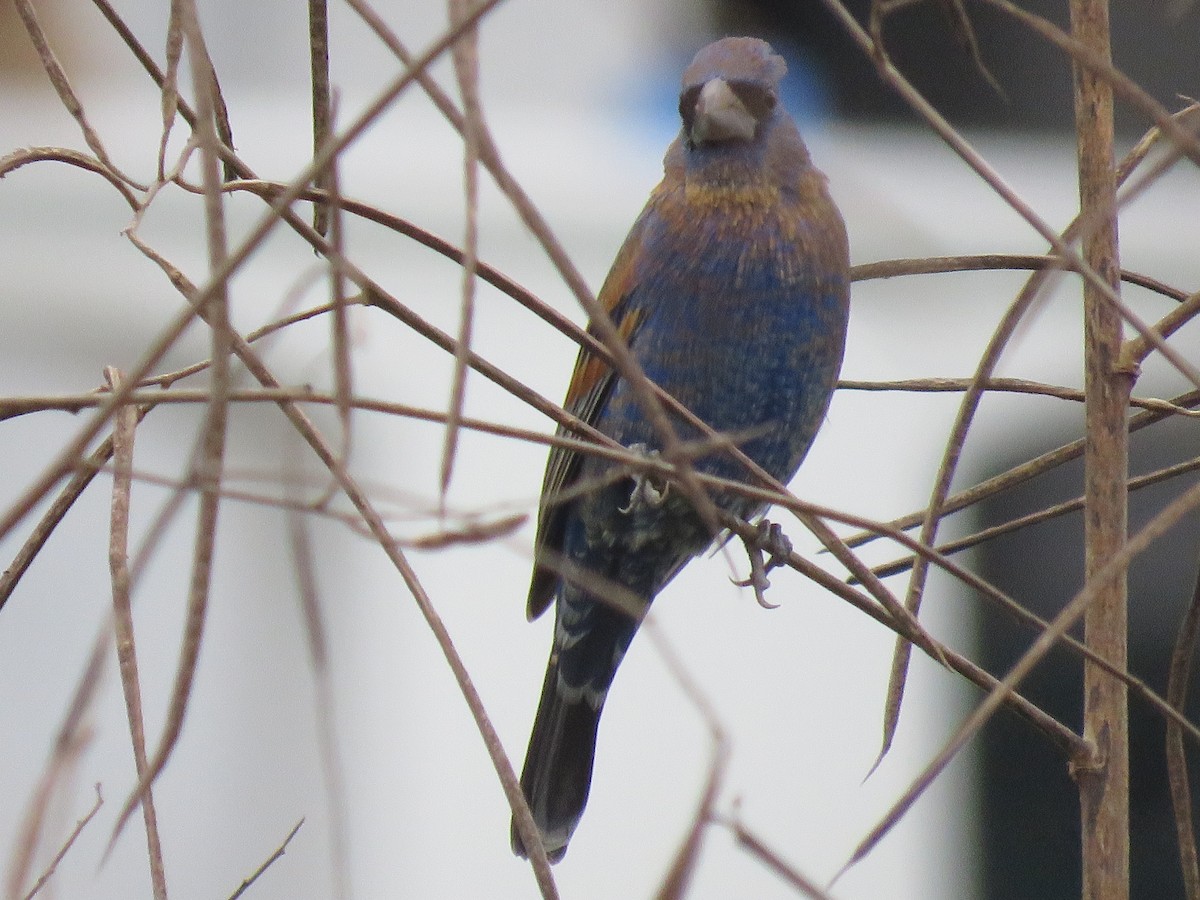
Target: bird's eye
column 759, row 101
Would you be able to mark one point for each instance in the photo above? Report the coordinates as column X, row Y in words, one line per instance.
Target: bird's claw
column 769, row 537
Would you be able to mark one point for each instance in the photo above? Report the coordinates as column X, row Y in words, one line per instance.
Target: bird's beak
column 721, row 116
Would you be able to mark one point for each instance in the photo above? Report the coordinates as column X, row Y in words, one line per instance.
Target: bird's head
column 729, row 91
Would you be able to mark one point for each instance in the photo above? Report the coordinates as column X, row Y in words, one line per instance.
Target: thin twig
column 1137, row 349
column 343, row 369
column 66, row 847
column 322, row 114
column 465, row 54
column 1177, row 767
column 124, row 432
column 1004, row 385
column 169, row 83
column 10, row 162
column 993, row 262
column 758, row 848
column 303, row 560
column 267, row 863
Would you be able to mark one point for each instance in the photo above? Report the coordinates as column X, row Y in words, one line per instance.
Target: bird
column 731, row 292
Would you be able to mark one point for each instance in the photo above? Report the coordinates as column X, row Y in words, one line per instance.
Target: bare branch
column 267, row 863
column 124, row 431
column 45, row 877
column 1177, row 767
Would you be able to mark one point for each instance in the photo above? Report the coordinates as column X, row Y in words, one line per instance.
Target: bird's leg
column 768, row 537
column 649, row 490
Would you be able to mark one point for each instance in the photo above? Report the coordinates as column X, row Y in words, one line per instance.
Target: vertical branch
column 465, row 53
column 318, row 55
column 170, row 83
column 124, row 430
column 304, row 565
column 1177, row 772
column 1104, row 778
column 330, row 215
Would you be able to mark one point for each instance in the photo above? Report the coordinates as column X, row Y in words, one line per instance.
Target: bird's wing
column 587, row 394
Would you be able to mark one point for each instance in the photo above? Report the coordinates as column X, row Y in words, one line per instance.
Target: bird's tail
column 558, row 765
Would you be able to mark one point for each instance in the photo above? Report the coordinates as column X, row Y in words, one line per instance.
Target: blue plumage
column 732, row 291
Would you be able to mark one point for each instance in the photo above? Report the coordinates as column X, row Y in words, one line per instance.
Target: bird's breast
column 742, row 292
column 746, row 234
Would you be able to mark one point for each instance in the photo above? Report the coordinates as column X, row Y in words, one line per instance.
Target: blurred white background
column 581, row 99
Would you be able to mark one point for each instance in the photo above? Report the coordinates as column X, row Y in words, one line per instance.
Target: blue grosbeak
column 732, row 293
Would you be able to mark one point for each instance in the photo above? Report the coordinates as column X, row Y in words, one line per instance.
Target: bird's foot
column 768, row 538
column 649, row 489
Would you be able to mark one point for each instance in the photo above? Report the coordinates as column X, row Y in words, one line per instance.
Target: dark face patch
column 758, row 99
column 687, row 107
